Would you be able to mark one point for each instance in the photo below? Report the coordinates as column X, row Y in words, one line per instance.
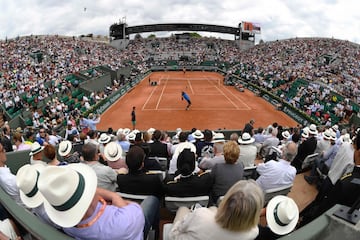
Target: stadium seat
column 163, row 162
column 166, row 230
column 250, row 172
column 173, row 203
column 308, row 161
column 270, row 193
column 134, row 197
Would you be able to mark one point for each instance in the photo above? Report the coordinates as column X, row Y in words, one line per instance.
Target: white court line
column 148, row 99
column 239, row 99
column 227, row 97
column 192, row 90
column 196, row 109
column 162, row 93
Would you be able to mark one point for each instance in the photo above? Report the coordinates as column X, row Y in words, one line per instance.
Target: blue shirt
column 185, row 96
column 115, row 223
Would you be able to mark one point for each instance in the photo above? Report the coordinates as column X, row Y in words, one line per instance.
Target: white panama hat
column 27, row 180
column 64, row 148
column 198, row 134
column 35, row 148
column 113, row 151
column 246, row 138
column 282, row 214
column 68, row 192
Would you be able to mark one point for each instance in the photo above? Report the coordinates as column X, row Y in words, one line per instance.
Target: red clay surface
column 214, row 106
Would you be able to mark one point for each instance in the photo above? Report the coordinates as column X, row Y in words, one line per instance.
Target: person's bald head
column 289, row 151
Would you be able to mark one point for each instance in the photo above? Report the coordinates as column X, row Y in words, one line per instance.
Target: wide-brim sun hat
column 35, row 148
column 126, row 131
column 312, row 129
column 218, row 137
column 68, row 192
column 282, row 214
column 119, row 131
column 305, row 133
column 113, row 151
column 198, row 134
column 285, row 134
column 27, row 182
column 64, row 148
column 326, row 134
column 184, row 145
column 246, row 138
column 151, row 131
column 333, row 136
column 104, row 138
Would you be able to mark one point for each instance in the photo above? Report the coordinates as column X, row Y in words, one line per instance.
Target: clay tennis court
column 214, row 105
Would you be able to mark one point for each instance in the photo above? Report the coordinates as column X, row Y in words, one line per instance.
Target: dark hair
column 208, row 135
column 89, row 151
column 183, row 136
column 138, row 137
column 50, row 151
column 156, row 135
column 357, row 140
column 135, row 158
column 186, row 162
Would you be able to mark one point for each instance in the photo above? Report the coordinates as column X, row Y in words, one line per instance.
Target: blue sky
column 279, row 19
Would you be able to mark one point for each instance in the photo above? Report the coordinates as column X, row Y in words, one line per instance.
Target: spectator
column 18, row 142
column 157, row 148
column 36, row 154
column 280, row 173
column 209, row 163
column 50, row 153
column 178, row 148
column 6, row 138
column 249, row 128
column 188, row 184
column 106, row 175
column 130, row 220
column 113, row 155
column 138, row 181
column 306, row 148
column 7, row 179
column 224, row 175
column 236, row 218
column 64, row 150
column 344, row 192
column 248, row 150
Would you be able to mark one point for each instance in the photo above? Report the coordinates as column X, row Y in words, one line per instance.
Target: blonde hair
column 241, row 206
column 231, row 152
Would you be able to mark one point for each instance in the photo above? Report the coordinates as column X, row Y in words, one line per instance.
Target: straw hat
column 312, row 129
column 282, row 214
column 218, row 137
column 126, row 131
column 198, row 134
column 64, row 148
column 113, row 151
column 246, row 138
column 326, row 134
column 68, row 192
column 35, row 148
column 285, row 134
column 26, row 180
column 305, row 133
column 104, row 138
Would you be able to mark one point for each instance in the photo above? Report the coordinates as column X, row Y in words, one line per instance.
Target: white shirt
column 275, row 174
column 8, row 184
column 201, row 224
column 247, row 154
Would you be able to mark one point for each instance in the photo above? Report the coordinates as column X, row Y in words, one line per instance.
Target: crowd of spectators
column 129, row 168
column 29, row 64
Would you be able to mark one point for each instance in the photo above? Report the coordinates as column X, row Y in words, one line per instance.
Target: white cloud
column 278, row 18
